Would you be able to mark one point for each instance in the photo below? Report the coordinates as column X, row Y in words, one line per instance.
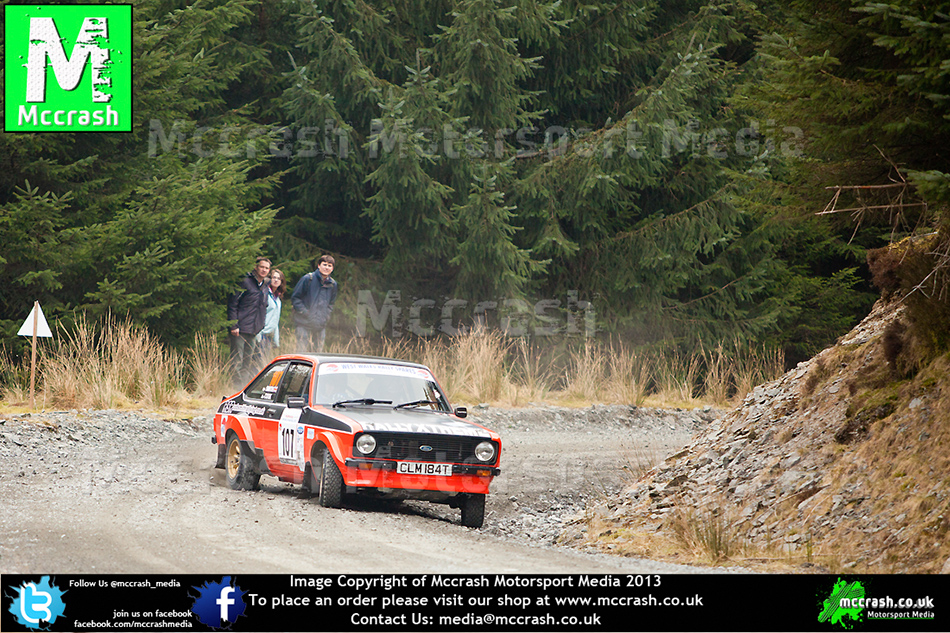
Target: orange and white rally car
column 342, row 424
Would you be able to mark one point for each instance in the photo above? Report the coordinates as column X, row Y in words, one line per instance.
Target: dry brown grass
column 631, row 374
column 14, row 378
column 587, row 373
column 476, row 365
column 717, row 380
column 488, row 367
column 754, row 366
column 471, row 367
column 711, row 536
column 207, row 367
column 629, row 541
column 730, row 372
column 111, row 367
column 113, row 364
column 676, row 377
column 709, row 533
column 528, row 379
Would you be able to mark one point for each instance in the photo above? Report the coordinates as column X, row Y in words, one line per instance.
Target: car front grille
column 408, row 446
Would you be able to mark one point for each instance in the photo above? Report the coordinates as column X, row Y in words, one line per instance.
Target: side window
column 297, row 383
column 267, row 384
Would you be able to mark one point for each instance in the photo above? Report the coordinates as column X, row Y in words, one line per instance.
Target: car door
column 290, row 430
column 263, row 392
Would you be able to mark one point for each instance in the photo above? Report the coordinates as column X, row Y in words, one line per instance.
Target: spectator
column 247, row 308
column 269, row 338
column 313, row 300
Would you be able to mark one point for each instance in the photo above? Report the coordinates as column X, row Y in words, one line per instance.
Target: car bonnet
column 409, row 421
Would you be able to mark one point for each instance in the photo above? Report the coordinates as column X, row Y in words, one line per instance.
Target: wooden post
column 36, row 318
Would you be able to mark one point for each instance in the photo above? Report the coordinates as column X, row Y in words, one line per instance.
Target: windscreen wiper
column 416, row 403
column 343, row 403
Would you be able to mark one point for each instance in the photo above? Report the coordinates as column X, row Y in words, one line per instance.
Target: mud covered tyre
column 473, row 511
column 239, row 466
column 331, row 482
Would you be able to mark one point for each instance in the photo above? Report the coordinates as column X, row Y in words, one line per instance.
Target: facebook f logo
column 224, row 601
column 219, row 604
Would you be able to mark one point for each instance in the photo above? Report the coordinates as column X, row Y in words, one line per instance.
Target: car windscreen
column 397, row 384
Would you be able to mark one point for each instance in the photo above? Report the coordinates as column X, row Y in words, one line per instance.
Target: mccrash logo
column 68, row 68
column 848, row 604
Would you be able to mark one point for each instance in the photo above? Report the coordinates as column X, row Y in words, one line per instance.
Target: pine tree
column 614, row 117
column 483, row 148
column 409, row 207
column 649, row 197
column 866, row 83
column 156, row 224
column 490, row 264
column 37, row 249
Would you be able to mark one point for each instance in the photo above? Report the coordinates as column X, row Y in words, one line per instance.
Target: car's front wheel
column 239, row 466
column 331, row 482
column 473, row 510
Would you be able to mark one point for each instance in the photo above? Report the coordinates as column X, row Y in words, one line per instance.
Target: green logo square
column 68, row 68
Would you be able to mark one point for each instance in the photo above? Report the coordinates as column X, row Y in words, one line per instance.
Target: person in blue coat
column 313, row 299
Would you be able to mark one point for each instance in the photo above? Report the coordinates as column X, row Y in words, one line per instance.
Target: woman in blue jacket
column 269, row 338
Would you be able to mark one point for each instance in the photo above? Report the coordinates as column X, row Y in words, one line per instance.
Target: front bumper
column 378, row 473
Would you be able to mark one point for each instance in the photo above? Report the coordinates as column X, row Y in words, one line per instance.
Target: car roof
column 350, row 358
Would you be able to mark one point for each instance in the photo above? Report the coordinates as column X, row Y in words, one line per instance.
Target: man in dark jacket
column 246, row 310
column 313, row 300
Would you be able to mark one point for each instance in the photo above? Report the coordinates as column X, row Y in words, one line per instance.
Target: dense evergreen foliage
column 868, row 84
column 114, row 222
column 664, row 161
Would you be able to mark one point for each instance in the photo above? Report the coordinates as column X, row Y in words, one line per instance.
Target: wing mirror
column 296, row 402
column 461, row 412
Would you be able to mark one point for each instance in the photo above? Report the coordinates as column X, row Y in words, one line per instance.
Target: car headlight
column 485, row 451
column 366, row 444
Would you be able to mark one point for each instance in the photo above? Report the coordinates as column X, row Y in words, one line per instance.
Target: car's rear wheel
column 473, row 511
column 239, row 467
column 331, row 482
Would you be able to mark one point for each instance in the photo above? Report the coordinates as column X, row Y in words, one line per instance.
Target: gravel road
column 122, row 492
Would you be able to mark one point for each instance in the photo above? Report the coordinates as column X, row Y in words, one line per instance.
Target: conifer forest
column 690, row 172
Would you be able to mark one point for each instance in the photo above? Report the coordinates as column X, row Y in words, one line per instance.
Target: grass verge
column 114, row 364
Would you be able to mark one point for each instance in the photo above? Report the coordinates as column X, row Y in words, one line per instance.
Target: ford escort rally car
column 343, row 424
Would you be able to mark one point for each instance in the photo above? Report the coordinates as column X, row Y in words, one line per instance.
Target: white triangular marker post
column 35, row 325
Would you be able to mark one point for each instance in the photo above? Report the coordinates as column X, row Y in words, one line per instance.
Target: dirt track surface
column 120, row 492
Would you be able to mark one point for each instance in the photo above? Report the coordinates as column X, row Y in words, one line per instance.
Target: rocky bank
column 839, row 465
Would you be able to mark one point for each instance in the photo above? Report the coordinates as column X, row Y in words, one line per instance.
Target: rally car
column 344, row 424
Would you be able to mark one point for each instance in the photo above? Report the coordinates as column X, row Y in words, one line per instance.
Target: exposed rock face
column 835, row 463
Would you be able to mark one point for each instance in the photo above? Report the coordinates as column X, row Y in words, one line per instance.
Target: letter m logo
column 45, row 43
column 68, row 68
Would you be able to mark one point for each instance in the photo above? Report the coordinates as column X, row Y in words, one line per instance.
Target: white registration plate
column 423, row 468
